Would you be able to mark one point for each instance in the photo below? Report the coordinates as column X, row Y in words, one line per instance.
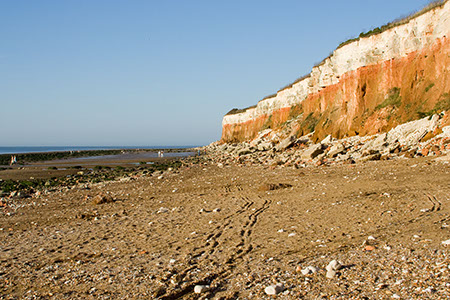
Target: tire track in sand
column 246, row 218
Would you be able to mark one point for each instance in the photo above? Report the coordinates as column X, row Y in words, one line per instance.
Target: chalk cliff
column 396, row 74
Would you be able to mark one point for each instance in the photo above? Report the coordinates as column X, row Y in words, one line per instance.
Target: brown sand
column 232, row 229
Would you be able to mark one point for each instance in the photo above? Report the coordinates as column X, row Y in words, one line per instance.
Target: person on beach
column 13, row 160
column 162, row 153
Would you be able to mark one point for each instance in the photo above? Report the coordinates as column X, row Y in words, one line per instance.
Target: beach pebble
column 447, row 242
column 309, row 270
column 274, row 289
column 198, row 289
column 331, row 273
column 334, row 265
column 216, row 210
column 162, row 210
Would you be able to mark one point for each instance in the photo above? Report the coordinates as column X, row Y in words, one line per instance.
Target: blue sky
column 159, row 72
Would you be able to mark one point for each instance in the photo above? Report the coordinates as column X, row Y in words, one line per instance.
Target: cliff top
column 378, row 30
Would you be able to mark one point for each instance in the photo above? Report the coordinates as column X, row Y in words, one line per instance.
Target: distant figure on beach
column 13, row 160
column 162, row 153
column 159, row 153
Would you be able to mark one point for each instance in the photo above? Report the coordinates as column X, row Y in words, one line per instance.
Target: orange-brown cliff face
column 368, row 86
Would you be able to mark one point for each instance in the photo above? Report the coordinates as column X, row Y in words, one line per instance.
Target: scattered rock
column 274, row 289
column 312, row 152
column 199, row 289
column 336, row 149
column 286, row 143
column 264, row 146
column 331, row 273
column 102, row 198
column 309, row 270
column 334, row 265
column 162, row 210
column 274, row 186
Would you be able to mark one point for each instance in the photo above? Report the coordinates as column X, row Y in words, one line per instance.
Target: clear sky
column 111, row 72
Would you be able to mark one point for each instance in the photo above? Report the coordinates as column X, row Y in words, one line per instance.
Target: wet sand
column 71, row 166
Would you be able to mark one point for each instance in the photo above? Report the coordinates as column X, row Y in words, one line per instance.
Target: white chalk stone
column 274, row 289
column 331, row 273
column 334, row 265
column 198, row 289
column 309, row 270
column 447, row 242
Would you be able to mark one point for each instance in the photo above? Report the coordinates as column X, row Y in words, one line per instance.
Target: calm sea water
column 16, row 150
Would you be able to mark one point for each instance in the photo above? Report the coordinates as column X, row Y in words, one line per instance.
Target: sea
column 33, row 149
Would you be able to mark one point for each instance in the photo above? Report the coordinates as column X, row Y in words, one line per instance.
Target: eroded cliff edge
column 366, row 86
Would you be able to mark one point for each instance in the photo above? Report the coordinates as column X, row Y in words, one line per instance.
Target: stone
column 244, row 151
column 286, row 143
column 376, row 156
column 274, row 289
column 309, row 270
column 334, row 265
column 447, row 242
column 264, row 146
column 331, row 273
column 162, row 210
column 413, row 132
column 336, row 149
column 199, row 289
column 102, row 198
column 327, row 140
column 312, row 152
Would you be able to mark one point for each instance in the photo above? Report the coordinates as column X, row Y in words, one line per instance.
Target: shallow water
column 34, row 149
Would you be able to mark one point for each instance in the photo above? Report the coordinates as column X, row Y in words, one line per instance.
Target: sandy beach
column 231, row 231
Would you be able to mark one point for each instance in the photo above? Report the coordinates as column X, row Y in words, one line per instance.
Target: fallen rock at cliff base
column 286, row 143
column 264, row 146
column 312, row 152
column 336, row 149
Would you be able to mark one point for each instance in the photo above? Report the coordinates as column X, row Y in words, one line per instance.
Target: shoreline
column 35, row 176
column 33, row 157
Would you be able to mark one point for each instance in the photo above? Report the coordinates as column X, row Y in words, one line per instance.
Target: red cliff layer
column 371, row 99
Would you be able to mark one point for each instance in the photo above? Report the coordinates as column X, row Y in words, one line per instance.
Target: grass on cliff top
column 432, row 5
column 236, row 111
